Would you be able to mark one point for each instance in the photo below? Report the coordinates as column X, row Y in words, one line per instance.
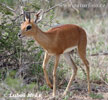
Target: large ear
column 27, row 16
column 39, row 16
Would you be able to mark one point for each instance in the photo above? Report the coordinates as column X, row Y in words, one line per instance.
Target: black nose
column 19, row 34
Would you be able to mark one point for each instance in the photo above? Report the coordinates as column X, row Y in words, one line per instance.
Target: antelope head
column 29, row 27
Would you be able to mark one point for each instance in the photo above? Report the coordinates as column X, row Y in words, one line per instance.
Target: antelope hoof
column 53, row 95
column 51, row 87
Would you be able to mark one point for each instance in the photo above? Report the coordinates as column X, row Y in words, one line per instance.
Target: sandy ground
column 78, row 92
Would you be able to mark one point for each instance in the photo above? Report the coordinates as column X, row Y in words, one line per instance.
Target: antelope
column 57, row 41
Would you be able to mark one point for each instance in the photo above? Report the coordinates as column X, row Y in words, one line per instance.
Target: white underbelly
column 69, row 49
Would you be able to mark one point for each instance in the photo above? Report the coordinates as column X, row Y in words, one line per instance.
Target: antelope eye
column 28, row 27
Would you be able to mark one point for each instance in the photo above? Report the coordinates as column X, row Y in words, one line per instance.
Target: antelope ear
column 39, row 16
column 27, row 16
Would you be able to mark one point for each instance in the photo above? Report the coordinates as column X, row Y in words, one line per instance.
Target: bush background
column 21, row 59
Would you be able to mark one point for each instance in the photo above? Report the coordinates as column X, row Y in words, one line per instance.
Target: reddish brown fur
column 57, row 39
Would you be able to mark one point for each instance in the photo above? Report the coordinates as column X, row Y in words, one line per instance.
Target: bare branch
column 102, row 79
column 74, row 7
column 55, row 6
column 4, row 5
column 44, row 11
column 17, row 17
column 98, row 54
column 21, row 2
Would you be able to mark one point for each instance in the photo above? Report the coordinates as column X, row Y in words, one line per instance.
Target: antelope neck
column 41, row 37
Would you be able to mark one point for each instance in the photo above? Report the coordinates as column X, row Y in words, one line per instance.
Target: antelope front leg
column 46, row 58
column 54, row 74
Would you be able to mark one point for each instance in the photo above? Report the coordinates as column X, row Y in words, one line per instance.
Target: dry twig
column 4, row 5
column 99, row 54
column 57, row 5
column 74, row 7
column 103, row 80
